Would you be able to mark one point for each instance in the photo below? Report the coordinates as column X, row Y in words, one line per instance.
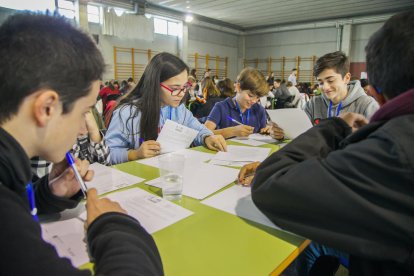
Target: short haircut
column 278, row 80
column 45, row 52
column 253, row 80
column 364, row 82
column 390, row 55
column 294, row 69
column 336, row 60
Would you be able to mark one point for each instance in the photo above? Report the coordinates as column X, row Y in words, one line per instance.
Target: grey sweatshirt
column 356, row 101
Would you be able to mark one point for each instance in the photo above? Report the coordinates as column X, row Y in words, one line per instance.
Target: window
column 32, row 5
column 160, row 26
column 165, row 27
column 172, row 28
column 66, row 8
column 94, row 15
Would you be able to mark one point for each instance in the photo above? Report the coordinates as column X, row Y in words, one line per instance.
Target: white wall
column 214, row 43
column 106, row 45
column 359, row 39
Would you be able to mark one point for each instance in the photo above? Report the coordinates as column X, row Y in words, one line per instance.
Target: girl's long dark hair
column 146, row 95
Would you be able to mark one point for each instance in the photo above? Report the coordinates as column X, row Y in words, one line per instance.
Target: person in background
column 110, row 89
column 241, row 115
column 42, row 117
column 316, row 91
column 295, row 93
column 158, row 97
column 281, row 94
column 292, row 77
column 363, row 173
column 226, row 88
column 339, row 94
column 211, row 96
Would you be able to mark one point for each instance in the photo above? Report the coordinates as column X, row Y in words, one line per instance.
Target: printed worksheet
column 153, row 212
column 107, row 179
column 238, row 156
column 191, row 156
column 174, row 136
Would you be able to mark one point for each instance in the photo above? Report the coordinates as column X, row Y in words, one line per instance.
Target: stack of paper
column 191, row 156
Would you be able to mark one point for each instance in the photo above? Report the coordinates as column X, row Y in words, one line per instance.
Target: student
column 226, row 87
column 281, row 94
column 41, row 117
column 339, row 93
column 348, row 185
column 211, row 96
column 157, row 98
column 244, row 109
column 90, row 145
column 292, row 77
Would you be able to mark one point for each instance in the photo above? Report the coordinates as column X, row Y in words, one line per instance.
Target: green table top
column 213, row 242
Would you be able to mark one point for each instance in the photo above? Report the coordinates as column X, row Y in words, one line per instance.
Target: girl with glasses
column 158, row 97
column 241, row 115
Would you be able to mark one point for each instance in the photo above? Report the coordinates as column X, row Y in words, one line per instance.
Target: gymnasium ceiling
column 248, row 15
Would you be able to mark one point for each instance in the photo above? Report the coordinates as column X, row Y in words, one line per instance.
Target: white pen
column 78, row 177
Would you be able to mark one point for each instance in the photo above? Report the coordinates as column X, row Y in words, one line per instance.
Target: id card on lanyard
column 337, row 110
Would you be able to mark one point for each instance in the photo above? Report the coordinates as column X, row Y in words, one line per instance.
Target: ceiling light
column 188, row 18
column 148, row 15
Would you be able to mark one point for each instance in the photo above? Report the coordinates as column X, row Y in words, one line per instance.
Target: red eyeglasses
column 177, row 91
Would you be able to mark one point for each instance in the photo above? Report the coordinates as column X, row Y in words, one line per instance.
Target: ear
column 377, row 96
column 238, row 87
column 45, row 106
column 347, row 78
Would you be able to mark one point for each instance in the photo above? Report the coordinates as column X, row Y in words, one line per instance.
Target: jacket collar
column 15, row 170
column 398, row 106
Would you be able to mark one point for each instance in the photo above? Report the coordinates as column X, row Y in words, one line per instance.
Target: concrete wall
column 359, row 39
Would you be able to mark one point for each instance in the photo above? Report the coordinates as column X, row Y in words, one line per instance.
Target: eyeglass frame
column 184, row 89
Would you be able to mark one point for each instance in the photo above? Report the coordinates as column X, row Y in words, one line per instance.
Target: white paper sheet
column 68, row 238
column 153, row 212
column 174, row 136
column 201, row 179
column 107, row 179
column 293, row 121
column 237, row 200
column 191, row 156
column 238, row 156
column 255, row 139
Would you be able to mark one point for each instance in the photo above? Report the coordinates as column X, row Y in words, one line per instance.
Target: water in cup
column 172, row 186
column 171, row 167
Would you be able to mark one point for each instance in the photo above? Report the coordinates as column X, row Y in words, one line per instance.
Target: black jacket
column 117, row 242
column 354, row 193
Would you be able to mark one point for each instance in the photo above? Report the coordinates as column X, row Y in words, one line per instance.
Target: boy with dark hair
column 42, row 117
column 350, row 185
column 339, row 93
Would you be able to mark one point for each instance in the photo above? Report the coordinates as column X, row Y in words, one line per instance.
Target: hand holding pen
column 62, row 181
column 78, row 177
column 246, row 173
column 241, row 130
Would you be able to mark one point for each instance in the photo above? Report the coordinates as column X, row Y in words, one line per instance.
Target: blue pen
column 233, row 120
column 78, row 177
column 32, row 202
